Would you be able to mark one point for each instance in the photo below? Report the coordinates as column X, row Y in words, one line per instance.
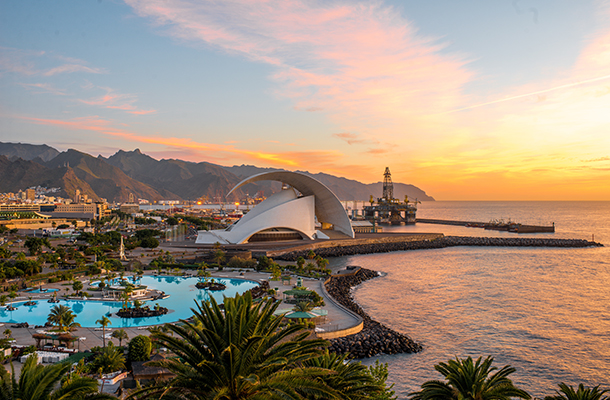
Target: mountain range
column 132, row 172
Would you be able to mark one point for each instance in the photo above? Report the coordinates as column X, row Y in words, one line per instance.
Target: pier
column 497, row 226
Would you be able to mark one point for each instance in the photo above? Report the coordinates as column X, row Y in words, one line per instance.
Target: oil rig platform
column 387, row 209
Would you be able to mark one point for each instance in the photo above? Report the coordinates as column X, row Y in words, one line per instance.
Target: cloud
column 350, row 138
column 43, row 88
column 28, row 63
column 114, row 100
column 361, row 63
column 600, row 159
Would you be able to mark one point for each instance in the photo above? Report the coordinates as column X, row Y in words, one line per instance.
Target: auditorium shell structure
column 292, row 212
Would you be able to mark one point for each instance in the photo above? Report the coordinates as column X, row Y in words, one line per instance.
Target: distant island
column 134, row 173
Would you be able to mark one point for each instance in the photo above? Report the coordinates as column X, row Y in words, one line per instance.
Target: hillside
column 108, row 181
column 187, row 180
column 26, row 151
column 21, row 174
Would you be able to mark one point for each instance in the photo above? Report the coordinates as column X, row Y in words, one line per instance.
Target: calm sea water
column 544, row 311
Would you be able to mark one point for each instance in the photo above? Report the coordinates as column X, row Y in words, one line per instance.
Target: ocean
column 544, row 311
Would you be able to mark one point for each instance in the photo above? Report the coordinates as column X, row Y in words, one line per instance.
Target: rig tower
column 388, row 186
column 388, row 209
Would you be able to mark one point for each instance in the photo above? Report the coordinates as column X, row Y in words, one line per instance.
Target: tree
column 568, row 393
column 470, row 380
column 321, row 262
column 139, row 348
column 303, row 306
column 379, row 372
column 104, row 322
column 352, row 379
column 38, row 382
column 4, row 252
column 121, row 335
column 63, row 317
column 219, row 256
column 77, row 287
column 149, row 242
column 34, row 244
column 239, row 353
column 7, row 333
column 110, row 359
column 3, row 300
column 125, row 297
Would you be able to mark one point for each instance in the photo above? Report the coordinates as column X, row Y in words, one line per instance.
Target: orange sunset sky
column 467, row 100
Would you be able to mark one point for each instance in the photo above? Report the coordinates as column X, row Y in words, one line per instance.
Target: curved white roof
column 328, row 208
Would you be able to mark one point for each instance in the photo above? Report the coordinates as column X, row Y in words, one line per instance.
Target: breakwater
column 445, row 241
column 375, row 338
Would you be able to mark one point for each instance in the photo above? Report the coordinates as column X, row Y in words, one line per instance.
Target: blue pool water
column 182, row 291
column 42, row 291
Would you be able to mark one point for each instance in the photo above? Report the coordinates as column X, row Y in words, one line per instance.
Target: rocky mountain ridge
column 126, row 172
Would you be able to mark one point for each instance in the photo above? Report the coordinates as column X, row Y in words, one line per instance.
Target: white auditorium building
column 304, row 209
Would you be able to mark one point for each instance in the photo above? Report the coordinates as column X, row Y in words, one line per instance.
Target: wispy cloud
column 30, row 63
column 362, row 63
column 114, row 100
column 350, row 138
column 43, row 88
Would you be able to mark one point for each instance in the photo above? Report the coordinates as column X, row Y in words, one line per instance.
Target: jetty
column 493, row 225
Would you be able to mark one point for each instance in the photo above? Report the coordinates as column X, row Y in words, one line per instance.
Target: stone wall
column 367, row 247
column 374, row 338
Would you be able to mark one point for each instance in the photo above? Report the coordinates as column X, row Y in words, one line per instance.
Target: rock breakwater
column 446, row 241
column 375, row 338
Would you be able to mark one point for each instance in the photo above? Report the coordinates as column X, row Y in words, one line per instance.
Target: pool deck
column 338, row 318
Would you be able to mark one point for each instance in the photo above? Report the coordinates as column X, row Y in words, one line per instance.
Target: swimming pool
column 182, row 291
column 41, row 291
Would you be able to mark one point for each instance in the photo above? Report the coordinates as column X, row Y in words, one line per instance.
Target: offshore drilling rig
column 387, row 209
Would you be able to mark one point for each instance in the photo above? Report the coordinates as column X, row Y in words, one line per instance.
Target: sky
column 468, row 100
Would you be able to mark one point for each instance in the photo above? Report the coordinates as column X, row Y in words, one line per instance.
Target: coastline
column 374, row 338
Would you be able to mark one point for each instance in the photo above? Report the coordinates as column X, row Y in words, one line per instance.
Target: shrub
column 139, row 348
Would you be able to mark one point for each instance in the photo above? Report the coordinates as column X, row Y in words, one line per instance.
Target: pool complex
column 182, row 296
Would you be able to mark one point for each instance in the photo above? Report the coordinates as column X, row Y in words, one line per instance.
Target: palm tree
column 3, row 300
column 38, row 382
column 121, row 335
column 110, row 359
column 62, row 316
column 469, row 380
column 568, row 393
column 350, row 378
column 104, row 322
column 303, row 306
column 241, row 353
column 219, row 256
